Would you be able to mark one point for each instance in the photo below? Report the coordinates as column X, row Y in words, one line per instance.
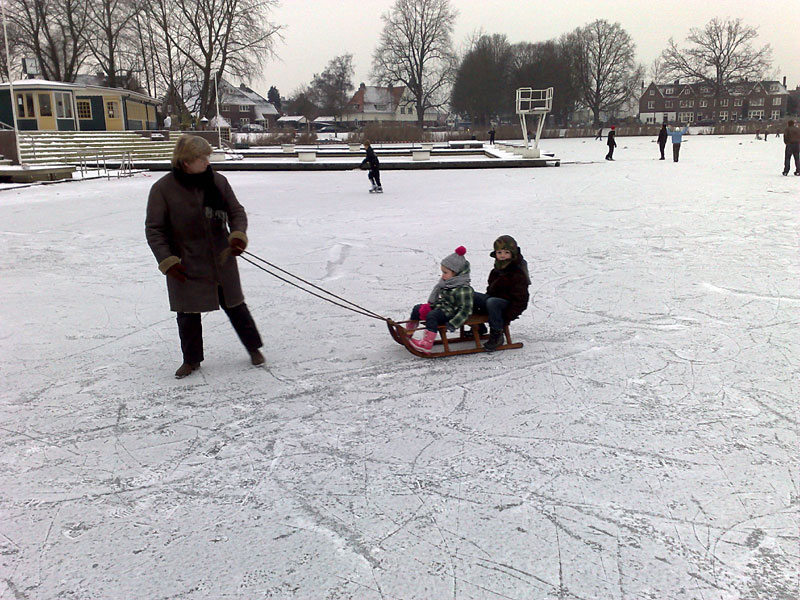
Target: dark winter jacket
column 511, row 284
column 612, row 139
column 791, row 135
column 179, row 228
column 662, row 136
column 372, row 159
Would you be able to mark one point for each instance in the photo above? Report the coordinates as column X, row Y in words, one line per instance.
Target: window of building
column 737, row 102
column 682, row 103
column 703, row 103
column 45, row 106
column 244, row 109
column 733, row 116
column 651, row 104
column 723, row 102
column 244, row 121
column 705, row 90
column 25, row 106
column 757, row 102
column 686, row 91
column 668, row 104
column 112, row 109
column 775, row 87
column 63, row 105
column 723, row 115
column 777, row 101
column 686, row 117
column 668, row 91
column 755, row 114
column 776, row 114
column 84, row 109
column 652, row 92
column 690, row 103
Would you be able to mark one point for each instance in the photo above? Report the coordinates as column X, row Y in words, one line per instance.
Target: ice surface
column 643, row 443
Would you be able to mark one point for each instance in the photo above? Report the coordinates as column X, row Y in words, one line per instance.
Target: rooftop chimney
column 784, row 81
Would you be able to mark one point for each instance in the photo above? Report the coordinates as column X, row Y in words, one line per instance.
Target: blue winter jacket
column 677, row 134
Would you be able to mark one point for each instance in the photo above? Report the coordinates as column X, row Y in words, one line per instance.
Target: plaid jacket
column 456, row 303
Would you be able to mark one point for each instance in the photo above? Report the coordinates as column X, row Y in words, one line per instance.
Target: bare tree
column 109, row 37
column 657, row 71
column 330, row 90
column 719, row 54
column 416, row 50
column 606, row 68
column 219, row 36
column 481, row 88
column 51, row 30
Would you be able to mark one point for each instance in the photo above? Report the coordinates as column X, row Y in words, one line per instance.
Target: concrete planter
column 427, row 145
column 287, row 148
column 420, row 154
column 307, row 155
column 354, row 147
column 216, row 156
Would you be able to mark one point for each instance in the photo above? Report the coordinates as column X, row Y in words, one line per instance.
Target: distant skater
column 491, row 136
column 599, row 135
column 662, row 139
column 374, row 169
column 612, row 143
column 791, row 137
column 677, row 137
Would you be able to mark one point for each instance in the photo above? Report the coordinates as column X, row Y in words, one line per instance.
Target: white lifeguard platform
column 536, row 103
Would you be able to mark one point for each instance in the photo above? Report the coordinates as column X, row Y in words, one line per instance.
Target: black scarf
column 212, row 197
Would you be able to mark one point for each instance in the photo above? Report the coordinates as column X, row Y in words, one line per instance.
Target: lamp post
column 11, row 84
column 216, row 92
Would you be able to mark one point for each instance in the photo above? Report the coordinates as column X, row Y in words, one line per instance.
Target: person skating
column 195, row 227
column 677, row 137
column 506, row 296
column 450, row 302
column 791, row 139
column 371, row 161
column 491, row 136
column 612, row 143
column 662, row 139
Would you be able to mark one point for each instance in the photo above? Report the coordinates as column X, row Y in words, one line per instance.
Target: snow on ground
column 643, row 443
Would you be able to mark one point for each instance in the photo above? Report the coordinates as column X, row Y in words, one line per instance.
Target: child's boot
column 411, row 327
column 495, row 339
column 426, row 343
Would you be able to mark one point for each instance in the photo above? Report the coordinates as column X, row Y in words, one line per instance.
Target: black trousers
column 661, row 146
column 676, row 152
column 610, row 152
column 375, row 177
column 190, row 330
column 792, row 149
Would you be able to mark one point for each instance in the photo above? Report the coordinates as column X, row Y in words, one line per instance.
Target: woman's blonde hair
column 189, row 148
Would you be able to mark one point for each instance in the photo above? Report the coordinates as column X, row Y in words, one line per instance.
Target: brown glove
column 177, row 271
column 237, row 246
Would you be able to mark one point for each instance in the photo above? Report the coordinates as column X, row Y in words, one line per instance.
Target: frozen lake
column 642, row 445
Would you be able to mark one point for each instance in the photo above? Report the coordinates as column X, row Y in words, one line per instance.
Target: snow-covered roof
column 292, row 119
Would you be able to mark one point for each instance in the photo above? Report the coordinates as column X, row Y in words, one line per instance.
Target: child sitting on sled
column 506, row 295
column 450, row 302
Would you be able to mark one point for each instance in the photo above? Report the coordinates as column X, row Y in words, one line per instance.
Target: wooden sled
column 398, row 331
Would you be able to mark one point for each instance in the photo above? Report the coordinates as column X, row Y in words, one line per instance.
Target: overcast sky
column 318, row 30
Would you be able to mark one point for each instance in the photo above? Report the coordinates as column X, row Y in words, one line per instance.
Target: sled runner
column 398, row 331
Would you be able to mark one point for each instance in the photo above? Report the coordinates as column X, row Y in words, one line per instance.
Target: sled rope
column 352, row 305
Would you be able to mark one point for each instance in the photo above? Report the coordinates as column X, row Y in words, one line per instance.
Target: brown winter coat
column 791, row 135
column 178, row 230
column 510, row 284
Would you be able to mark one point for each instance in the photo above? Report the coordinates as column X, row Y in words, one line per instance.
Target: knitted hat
column 456, row 261
column 612, row 127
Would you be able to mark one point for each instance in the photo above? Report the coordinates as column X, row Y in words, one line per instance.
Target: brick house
column 695, row 102
column 386, row 104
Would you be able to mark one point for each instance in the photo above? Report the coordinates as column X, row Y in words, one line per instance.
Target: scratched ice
column 642, row 445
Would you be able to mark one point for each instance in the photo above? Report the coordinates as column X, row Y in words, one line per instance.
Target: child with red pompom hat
column 450, row 302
